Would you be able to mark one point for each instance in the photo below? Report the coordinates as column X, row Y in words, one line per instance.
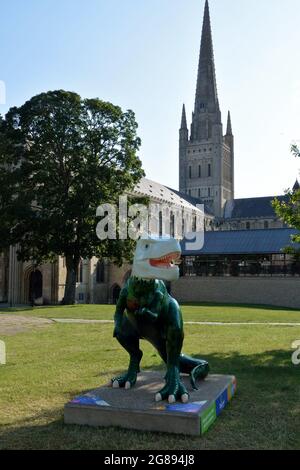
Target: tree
column 6, row 189
column 67, row 155
column 289, row 211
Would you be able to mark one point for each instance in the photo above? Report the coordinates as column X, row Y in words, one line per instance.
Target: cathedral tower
column 206, row 157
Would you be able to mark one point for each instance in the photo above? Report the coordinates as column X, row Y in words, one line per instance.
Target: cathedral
column 206, row 156
column 244, row 237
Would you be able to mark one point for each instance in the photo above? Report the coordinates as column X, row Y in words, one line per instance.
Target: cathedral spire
column 206, row 92
column 183, row 119
column 229, row 127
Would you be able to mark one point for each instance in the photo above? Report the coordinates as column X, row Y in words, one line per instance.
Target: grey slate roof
column 168, row 195
column 194, row 201
column 163, row 194
column 251, row 207
column 244, row 242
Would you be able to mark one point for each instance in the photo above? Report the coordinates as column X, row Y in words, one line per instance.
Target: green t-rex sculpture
column 145, row 310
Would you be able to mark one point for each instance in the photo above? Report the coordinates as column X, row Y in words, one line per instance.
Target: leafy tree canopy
column 289, row 211
column 62, row 156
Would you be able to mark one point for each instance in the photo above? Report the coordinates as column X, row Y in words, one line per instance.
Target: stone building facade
column 98, row 281
column 206, row 176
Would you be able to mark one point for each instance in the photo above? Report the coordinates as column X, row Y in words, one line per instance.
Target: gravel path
column 81, row 321
column 13, row 324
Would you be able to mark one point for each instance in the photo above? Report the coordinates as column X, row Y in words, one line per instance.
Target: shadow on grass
column 264, row 414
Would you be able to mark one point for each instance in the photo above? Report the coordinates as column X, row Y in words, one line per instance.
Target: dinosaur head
column 155, row 259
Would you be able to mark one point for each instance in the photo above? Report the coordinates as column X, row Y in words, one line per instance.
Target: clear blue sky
column 143, row 55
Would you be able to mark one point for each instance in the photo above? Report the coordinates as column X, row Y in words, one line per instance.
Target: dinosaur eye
column 146, row 246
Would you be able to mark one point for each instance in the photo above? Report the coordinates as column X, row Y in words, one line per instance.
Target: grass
column 48, row 367
column 193, row 312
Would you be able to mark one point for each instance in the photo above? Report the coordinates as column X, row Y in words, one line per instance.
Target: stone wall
column 282, row 292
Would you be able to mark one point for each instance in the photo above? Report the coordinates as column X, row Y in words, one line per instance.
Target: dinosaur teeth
column 167, row 261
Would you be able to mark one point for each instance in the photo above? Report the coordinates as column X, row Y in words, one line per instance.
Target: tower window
column 202, row 105
column 190, row 172
column 199, row 192
column 209, row 169
column 208, row 192
column 190, row 192
column 199, row 171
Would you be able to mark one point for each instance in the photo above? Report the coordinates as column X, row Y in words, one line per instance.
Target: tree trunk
column 72, row 264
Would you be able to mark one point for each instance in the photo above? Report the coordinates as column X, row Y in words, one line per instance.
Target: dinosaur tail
column 196, row 368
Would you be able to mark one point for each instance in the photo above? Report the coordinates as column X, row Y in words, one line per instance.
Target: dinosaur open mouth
column 166, row 262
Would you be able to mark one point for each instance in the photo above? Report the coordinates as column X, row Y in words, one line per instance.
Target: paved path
column 82, row 321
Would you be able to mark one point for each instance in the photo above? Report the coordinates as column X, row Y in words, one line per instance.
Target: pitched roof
column 194, row 201
column 251, row 207
column 164, row 194
column 243, row 242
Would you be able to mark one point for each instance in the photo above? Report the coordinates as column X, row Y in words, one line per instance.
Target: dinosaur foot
column 174, row 389
column 125, row 381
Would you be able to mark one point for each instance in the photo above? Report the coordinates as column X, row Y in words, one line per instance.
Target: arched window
column 190, row 172
column 266, row 224
column 194, row 228
column 248, row 226
column 116, row 289
column 160, row 223
column 209, row 170
column 199, row 171
column 172, row 225
column 100, row 272
column 79, row 277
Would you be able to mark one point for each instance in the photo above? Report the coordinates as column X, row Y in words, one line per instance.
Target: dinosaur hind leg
column 130, row 342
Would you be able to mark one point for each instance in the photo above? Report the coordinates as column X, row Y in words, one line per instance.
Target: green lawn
column 47, row 367
column 199, row 312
